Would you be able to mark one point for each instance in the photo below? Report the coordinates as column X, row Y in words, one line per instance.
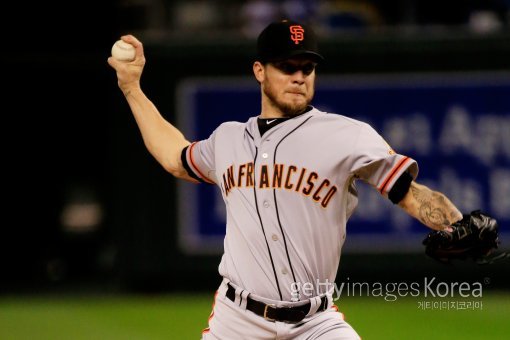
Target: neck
column 269, row 110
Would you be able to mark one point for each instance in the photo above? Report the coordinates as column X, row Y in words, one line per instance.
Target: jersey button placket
column 266, row 197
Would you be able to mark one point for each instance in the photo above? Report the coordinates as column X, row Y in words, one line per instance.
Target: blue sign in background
column 457, row 127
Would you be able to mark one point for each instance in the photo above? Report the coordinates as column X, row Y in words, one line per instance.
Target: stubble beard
column 288, row 110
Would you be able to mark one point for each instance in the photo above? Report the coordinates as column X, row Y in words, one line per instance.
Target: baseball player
column 287, row 177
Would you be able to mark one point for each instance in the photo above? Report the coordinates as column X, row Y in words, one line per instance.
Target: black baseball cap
column 286, row 39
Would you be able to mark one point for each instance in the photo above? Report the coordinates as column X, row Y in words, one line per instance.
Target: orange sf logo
column 297, row 33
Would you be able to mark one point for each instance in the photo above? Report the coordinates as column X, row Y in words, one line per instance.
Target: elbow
column 173, row 165
column 169, row 159
column 180, row 173
column 174, row 170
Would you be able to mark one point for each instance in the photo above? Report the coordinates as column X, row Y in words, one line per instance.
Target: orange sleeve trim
column 205, row 178
column 392, row 174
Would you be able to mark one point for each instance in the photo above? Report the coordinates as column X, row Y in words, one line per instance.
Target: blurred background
column 86, row 208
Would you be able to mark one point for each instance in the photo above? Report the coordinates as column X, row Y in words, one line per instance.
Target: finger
column 113, row 62
column 131, row 39
column 137, row 44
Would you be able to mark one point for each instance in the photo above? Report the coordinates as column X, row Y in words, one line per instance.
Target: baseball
column 123, row 51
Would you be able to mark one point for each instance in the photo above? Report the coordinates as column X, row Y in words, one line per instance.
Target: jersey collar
column 281, row 129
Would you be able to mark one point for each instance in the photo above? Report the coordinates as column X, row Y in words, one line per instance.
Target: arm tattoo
column 434, row 209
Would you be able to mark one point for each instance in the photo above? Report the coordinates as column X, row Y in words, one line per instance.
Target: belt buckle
column 265, row 311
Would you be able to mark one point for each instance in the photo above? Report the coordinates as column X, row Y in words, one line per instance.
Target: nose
column 298, row 77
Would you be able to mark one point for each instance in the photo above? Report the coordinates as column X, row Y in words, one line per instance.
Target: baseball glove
column 474, row 237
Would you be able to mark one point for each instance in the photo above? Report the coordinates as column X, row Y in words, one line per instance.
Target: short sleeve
column 376, row 163
column 199, row 159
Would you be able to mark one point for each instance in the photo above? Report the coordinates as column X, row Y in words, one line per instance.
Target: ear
column 259, row 71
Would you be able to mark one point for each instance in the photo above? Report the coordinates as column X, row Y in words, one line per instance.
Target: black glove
column 474, row 237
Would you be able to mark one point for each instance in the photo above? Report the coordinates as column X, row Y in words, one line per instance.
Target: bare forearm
column 430, row 207
column 162, row 139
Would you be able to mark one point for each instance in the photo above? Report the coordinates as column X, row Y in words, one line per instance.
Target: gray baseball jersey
column 289, row 194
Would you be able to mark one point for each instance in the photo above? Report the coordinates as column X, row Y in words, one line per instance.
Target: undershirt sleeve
column 400, row 188
column 187, row 167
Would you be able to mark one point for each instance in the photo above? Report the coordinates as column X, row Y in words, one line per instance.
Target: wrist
column 130, row 90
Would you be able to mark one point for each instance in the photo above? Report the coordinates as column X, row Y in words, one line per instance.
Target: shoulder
column 231, row 126
column 230, row 129
column 338, row 120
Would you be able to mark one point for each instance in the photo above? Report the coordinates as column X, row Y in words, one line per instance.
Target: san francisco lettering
column 280, row 176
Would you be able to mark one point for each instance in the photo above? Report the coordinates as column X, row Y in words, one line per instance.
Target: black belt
column 273, row 313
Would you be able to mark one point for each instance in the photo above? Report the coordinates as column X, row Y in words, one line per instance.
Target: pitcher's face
column 289, row 85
